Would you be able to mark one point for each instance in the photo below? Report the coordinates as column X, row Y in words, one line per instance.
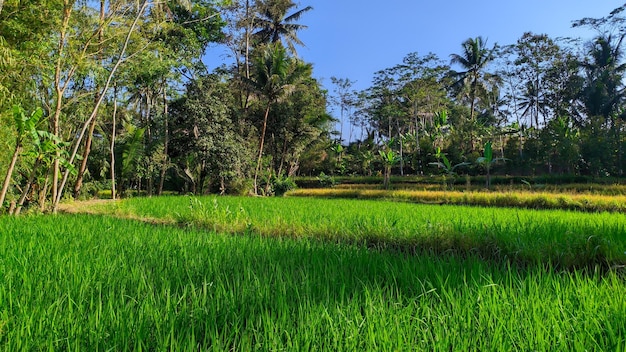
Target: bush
column 326, row 180
column 240, row 187
column 282, row 184
column 94, row 189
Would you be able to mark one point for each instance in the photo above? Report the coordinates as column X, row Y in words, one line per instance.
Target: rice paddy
column 564, row 239
column 584, row 201
column 295, row 274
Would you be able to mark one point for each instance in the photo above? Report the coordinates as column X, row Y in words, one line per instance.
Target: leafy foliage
column 205, row 143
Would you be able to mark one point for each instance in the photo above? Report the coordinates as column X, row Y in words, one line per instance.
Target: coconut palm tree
column 274, row 76
column 473, row 60
column 604, row 93
column 532, row 103
column 604, row 90
column 276, row 26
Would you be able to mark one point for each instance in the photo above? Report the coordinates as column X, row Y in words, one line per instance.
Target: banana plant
column 440, row 123
column 338, row 150
column 487, row 160
column 366, row 157
column 446, row 165
column 389, row 158
column 46, row 147
column 25, row 126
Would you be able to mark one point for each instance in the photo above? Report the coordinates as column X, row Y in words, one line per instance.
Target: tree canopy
column 116, row 96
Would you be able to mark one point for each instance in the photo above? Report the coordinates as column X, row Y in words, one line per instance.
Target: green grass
column 562, row 239
column 93, row 283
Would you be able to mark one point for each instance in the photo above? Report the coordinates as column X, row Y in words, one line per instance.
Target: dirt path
column 92, row 206
column 108, row 207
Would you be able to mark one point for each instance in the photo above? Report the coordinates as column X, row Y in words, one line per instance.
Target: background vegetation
column 128, row 105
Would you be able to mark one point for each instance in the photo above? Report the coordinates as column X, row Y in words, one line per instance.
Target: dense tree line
column 114, row 95
column 541, row 106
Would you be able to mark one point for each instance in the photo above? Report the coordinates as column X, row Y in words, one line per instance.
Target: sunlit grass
column 563, row 239
column 567, row 189
column 534, row 200
column 93, row 283
column 547, row 184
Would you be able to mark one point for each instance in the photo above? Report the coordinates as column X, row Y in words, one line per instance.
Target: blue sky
column 355, row 38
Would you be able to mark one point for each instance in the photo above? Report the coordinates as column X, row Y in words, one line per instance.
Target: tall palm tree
column 532, row 103
column 604, row 89
column 276, row 26
column 473, row 60
column 274, row 76
column 604, row 92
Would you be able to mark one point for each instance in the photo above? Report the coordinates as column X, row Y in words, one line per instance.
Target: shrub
column 282, row 184
column 326, row 180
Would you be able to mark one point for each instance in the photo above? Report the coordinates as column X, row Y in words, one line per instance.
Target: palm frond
column 296, row 15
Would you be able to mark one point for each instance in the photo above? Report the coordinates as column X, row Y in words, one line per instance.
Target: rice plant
column 94, row 283
column 563, row 239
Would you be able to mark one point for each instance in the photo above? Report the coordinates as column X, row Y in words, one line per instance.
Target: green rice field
column 565, row 239
column 271, row 274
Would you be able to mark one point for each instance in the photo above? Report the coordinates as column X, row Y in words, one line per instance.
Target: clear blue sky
column 355, row 38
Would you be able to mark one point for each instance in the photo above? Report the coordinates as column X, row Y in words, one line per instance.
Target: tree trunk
column 149, row 186
column 472, row 106
column 83, row 163
column 620, row 153
column 473, row 97
column 55, row 162
column 192, row 180
column 417, row 142
column 283, row 157
column 148, row 139
column 7, row 178
column 258, row 163
column 165, row 139
column 401, row 149
column 59, row 90
column 202, row 177
column 148, row 135
column 249, row 24
column 293, row 168
column 31, row 179
column 537, row 107
column 387, row 178
column 42, row 194
column 341, row 126
column 112, row 148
